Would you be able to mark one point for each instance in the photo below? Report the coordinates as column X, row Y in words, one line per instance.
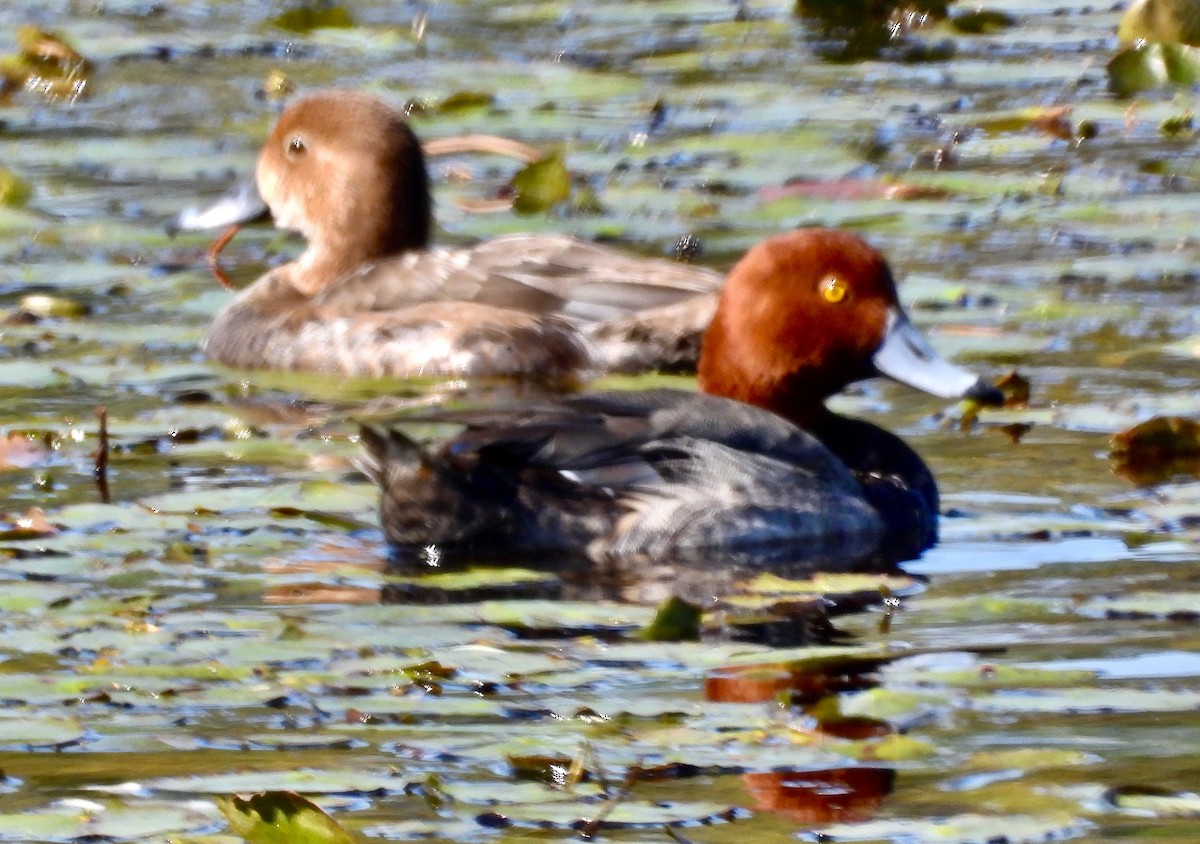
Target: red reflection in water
column 761, row 683
column 833, row 796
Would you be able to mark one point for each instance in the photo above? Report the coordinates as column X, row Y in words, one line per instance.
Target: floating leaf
column 34, row 731
column 14, row 191
column 1091, row 700
column 896, row 748
column 1177, row 125
column 1157, row 450
column 78, row 820
column 1158, row 802
column 1050, row 120
column 462, row 100
column 1160, row 438
column 1014, row 387
column 45, row 63
column 314, row 15
column 281, row 817
column 44, row 305
column 1149, row 66
column 277, row 86
column 327, row 781
column 1029, row 759
column 961, row 829
column 1161, row 20
column 677, row 620
column 850, row 189
column 541, row 185
column 1171, row 606
column 983, row 21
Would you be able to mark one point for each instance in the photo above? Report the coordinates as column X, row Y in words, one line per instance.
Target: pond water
column 226, row 623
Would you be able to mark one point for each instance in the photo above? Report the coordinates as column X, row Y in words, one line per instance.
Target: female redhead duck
column 753, row 461
column 369, row 297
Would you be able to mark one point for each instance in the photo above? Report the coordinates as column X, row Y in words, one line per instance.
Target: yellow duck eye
column 295, row 147
column 833, row 289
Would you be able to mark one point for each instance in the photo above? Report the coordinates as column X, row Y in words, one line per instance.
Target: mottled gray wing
column 595, row 283
column 535, row 273
column 587, row 435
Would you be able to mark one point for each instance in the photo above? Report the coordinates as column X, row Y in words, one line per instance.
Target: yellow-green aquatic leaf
column 1153, row 65
column 676, row 620
column 281, row 817
column 329, row 780
column 894, row 748
column 1156, row 802
column 14, row 191
column 1029, row 759
column 972, row 828
column 314, row 14
column 541, row 185
column 982, row 21
column 28, row 730
column 1161, row 20
column 460, row 100
column 52, row 306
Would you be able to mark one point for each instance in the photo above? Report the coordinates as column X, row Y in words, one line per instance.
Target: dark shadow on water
column 864, row 30
column 767, row 596
column 701, row 577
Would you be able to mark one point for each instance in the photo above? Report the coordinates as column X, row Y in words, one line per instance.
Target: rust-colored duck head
column 807, row 312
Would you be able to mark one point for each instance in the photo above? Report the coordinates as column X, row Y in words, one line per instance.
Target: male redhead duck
column 369, row 297
column 754, row 461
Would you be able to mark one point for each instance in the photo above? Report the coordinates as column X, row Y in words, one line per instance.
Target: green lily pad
column 541, row 185
column 675, row 620
column 14, row 191
column 1173, row 606
column 304, row 17
column 1091, row 701
column 960, row 829
column 1149, row 66
column 1161, row 20
column 71, row 821
column 281, row 817
column 25, row 729
column 1155, row 802
column 1030, row 759
column 328, row 781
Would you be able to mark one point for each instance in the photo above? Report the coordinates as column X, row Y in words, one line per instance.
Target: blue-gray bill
column 907, row 357
column 238, row 205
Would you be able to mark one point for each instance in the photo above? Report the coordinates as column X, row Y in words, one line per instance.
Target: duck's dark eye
column 295, row 147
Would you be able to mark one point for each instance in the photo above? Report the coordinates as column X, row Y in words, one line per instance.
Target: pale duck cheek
column 287, row 216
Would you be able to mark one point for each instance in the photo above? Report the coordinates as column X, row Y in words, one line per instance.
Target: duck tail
column 383, row 447
column 426, row 498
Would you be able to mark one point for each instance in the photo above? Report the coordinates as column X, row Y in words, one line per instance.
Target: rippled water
column 225, row 624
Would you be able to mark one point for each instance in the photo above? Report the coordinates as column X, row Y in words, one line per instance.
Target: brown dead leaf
column 35, row 522
column 1053, row 121
column 849, row 189
column 1015, row 388
column 1157, row 450
column 1160, row 438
